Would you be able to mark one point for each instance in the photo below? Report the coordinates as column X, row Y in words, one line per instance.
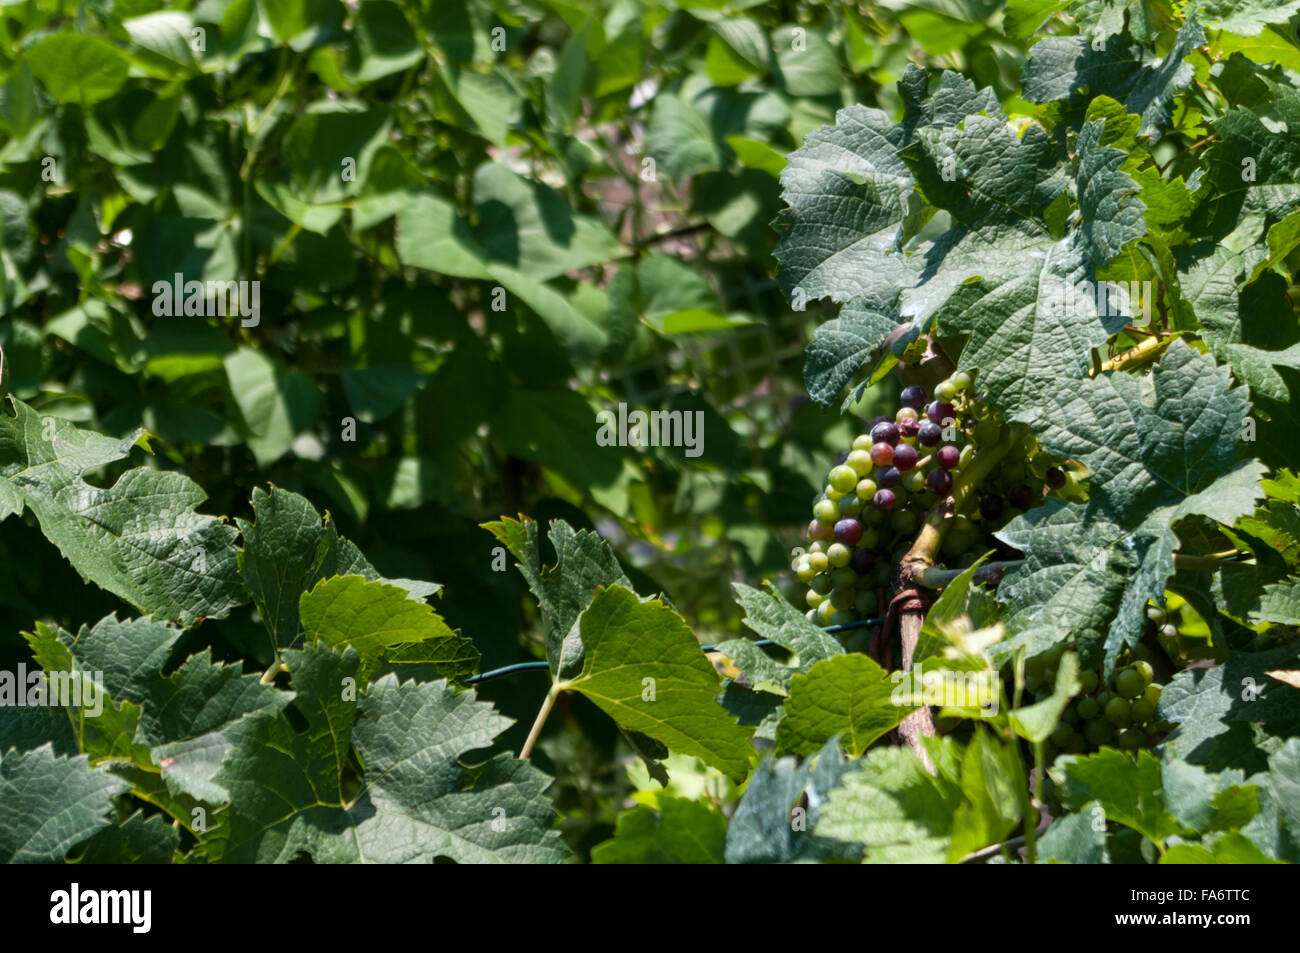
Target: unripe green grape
column 818, row 561
column 903, row 522
column 1143, row 668
column 906, row 413
column 865, row 604
column 883, row 573
column 913, row 481
column 1152, row 693
column 1157, row 615
column 1098, row 732
column 819, row 546
column 843, row 577
column 811, row 616
column 866, row 489
column 825, row 611
column 859, row 461
column 1062, row 734
column 870, row 538
column 804, row 569
column 1141, row 653
column 813, row 598
column 844, row 598
column 1131, row 740
column 1129, row 683
column 850, row 505
column 1071, row 714
column 945, row 392
column 1088, row 708
column 961, row 380
column 863, row 442
column 826, row 512
column 1104, row 696
column 843, row 478
column 840, row 617
column 821, row 584
column 839, row 555
column 1142, row 711
column 1089, row 681
column 871, row 516
column 1078, row 745
column 1118, row 712
column 833, row 494
column 1034, row 683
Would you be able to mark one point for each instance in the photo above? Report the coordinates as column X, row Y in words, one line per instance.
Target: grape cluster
column 876, row 497
column 1118, row 713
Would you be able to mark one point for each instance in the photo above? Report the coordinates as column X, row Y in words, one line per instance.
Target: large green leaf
column 415, row 802
column 1158, row 448
column 643, row 667
column 48, row 804
column 76, row 68
column 139, row 538
column 1128, row 791
column 850, row 697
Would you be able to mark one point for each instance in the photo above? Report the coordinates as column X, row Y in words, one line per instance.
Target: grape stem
column 540, row 721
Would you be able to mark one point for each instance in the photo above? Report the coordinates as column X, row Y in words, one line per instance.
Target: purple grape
column 887, row 477
column 848, row 531
column 882, row 454
column 905, row 457
column 885, row 432
column 948, row 456
column 991, row 507
column 940, row 412
column 882, row 419
column 913, row 396
column 907, row 427
column 883, row 500
column 862, row 561
column 1055, row 477
column 1021, row 495
column 939, row 482
column 929, row 434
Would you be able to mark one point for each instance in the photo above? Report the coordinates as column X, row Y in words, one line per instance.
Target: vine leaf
column 772, row 825
column 1128, row 790
column 584, row 562
column 375, row 619
column 417, row 801
column 1158, row 448
column 288, row 549
column 1072, row 69
column 681, row 831
column 50, row 804
column 643, row 667
column 850, row 697
column 140, row 539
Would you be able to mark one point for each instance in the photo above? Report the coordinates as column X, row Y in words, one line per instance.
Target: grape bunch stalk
column 881, row 492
